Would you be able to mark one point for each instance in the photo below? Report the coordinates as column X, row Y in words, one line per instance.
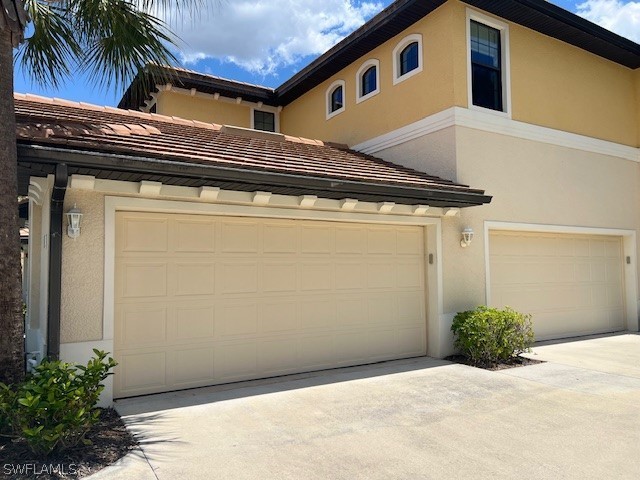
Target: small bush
column 488, row 335
column 53, row 408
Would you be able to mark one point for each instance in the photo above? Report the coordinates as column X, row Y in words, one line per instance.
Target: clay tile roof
column 65, row 124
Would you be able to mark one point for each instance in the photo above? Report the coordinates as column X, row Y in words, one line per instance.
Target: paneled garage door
column 572, row 284
column 203, row 300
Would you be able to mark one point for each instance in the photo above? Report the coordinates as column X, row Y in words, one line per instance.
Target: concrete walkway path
column 576, row 416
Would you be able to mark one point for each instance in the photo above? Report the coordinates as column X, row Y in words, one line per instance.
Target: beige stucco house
column 220, row 241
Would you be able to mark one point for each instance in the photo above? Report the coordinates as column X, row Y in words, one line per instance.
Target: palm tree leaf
column 172, row 11
column 111, row 40
column 118, row 40
column 50, row 53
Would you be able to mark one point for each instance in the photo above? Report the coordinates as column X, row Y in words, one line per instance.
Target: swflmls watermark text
column 14, row 469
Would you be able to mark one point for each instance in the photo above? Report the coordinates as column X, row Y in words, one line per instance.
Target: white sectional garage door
column 202, row 300
column 572, row 284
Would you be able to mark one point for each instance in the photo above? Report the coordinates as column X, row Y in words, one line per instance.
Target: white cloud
column 622, row 18
column 264, row 35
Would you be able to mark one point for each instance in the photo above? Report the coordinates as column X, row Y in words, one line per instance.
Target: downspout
column 55, row 261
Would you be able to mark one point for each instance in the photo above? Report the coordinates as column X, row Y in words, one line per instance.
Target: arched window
column 367, row 80
column 407, row 58
column 335, row 99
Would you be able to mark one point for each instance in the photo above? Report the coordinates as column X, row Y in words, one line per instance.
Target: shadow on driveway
column 412, row 419
column 229, row 391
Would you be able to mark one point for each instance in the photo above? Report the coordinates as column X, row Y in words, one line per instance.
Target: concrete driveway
column 576, row 416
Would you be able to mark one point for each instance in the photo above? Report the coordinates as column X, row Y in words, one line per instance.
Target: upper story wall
column 425, row 93
column 638, row 105
column 203, row 109
column 560, row 86
column 552, row 84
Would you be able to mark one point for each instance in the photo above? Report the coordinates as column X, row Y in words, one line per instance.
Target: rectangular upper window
column 486, row 66
column 264, row 121
column 488, row 75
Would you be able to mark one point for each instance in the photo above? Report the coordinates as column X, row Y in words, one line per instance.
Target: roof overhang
column 38, row 160
column 399, row 16
column 553, row 21
column 135, row 94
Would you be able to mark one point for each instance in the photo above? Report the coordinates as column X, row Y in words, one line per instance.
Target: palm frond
column 118, row 40
column 51, row 52
column 111, row 40
column 173, row 11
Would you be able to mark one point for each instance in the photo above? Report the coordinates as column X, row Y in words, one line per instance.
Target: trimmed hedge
column 487, row 336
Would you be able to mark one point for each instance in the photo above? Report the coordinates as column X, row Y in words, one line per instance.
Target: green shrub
column 53, row 408
column 489, row 335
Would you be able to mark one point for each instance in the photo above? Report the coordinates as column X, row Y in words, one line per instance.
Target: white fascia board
column 230, row 197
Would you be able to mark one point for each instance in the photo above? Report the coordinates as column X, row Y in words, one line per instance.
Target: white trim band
column 489, row 122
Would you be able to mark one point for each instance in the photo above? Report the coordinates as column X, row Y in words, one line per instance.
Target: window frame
column 266, row 109
column 373, row 62
column 503, row 28
column 263, row 110
column 329, row 93
column 405, row 42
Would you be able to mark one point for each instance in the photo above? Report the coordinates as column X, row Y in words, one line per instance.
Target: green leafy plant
column 487, row 336
column 53, row 408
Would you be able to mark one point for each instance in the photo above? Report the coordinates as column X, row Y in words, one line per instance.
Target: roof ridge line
column 217, row 77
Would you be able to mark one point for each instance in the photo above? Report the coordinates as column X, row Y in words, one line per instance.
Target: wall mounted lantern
column 467, row 237
column 73, row 218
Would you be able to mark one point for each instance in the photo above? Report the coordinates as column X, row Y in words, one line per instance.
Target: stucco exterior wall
column 531, row 182
column 534, row 183
column 560, row 86
column 637, row 74
column 203, row 109
column 437, row 156
column 543, row 183
column 553, row 84
column 83, row 270
column 426, row 93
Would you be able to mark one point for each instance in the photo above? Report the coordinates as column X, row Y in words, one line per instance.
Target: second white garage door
column 204, row 300
column 571, row 284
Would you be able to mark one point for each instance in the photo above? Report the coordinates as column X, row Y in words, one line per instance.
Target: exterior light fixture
column 467, row 237
column 73, row 218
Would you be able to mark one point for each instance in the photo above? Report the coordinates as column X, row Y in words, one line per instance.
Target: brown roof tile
column 62, row 123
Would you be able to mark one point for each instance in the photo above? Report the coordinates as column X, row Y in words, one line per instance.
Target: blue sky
column 248, row 40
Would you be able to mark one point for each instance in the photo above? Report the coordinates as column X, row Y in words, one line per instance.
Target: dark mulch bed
column 111, row 441
column 516, row 362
